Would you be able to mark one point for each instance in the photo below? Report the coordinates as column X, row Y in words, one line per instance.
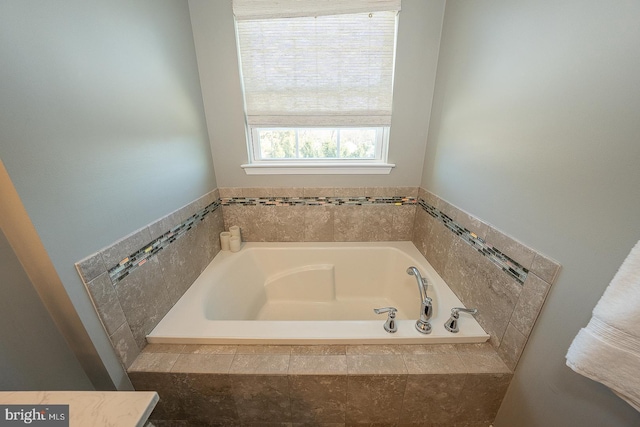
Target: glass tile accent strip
column 318, row 201
column 508, row 265
column 140, row 257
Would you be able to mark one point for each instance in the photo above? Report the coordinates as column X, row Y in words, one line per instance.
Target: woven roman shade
column 317, row 63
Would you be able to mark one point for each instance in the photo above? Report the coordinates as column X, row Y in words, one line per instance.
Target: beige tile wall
column 328, row 223
column 452, row 385
column 507, row 310
column 367, row 223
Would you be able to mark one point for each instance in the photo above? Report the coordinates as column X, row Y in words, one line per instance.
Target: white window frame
column 259, row 166
column 377, row 165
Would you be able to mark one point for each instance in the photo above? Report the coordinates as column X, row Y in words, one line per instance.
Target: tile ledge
column 498, row 368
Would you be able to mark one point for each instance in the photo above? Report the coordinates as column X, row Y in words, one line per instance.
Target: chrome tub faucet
column 451, row 325
column 390, row 325
column 426, row 304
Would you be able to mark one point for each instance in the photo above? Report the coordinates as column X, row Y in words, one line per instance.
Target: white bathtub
column 312, row 293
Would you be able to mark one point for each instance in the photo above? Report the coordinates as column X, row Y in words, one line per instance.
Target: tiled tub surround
column 507, row 305
column 506, row 264
column 321, row 214
column 127, row 265
column 458, row 385
column 123, row 279
column 137, row 294
column 509, row 299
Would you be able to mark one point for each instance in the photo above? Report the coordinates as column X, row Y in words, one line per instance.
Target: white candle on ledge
column 224, row 240
column 234, row 243
column 235, row 231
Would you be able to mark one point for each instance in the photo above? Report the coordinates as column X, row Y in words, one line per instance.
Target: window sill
column 318, row 169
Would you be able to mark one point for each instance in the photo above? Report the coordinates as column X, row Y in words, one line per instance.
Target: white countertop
column 92, row 408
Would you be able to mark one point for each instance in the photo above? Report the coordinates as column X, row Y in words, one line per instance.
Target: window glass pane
column 358, row 143
column 318, row 143
column 277, row 143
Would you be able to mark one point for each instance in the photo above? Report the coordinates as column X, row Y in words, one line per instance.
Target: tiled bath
column 459, row 385
column 412, row 385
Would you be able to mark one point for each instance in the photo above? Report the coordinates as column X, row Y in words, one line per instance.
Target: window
column 318, row 84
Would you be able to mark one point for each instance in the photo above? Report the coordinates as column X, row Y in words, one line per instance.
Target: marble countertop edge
column 92, row 408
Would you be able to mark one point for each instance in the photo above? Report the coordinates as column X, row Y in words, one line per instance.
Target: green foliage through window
column 318, row 143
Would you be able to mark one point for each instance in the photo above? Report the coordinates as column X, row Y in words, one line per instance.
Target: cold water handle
column 451, row 325
column 390, row 325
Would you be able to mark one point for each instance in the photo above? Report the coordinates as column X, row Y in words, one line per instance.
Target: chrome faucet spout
column 426, row 306
column 422, row 283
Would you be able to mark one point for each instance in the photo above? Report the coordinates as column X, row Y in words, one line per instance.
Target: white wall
column 102, row 127
column 535, row 130
column 417, row 51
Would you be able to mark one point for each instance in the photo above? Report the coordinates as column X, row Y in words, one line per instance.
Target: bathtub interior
column 343, row 283
column 329, row 290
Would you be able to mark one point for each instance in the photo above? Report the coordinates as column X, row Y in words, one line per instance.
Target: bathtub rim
column 404, row 335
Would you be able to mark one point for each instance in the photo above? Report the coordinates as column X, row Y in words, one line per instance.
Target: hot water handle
column 390, row 325
column 451, row 325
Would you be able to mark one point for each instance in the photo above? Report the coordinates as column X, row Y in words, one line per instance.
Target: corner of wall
column 505, row 280
column 135, row 281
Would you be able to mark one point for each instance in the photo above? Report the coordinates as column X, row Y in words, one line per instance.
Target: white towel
column 607, row 350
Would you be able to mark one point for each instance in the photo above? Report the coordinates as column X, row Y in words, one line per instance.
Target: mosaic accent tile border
column 140, row 257
column 508, row 265
column 318, row 201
